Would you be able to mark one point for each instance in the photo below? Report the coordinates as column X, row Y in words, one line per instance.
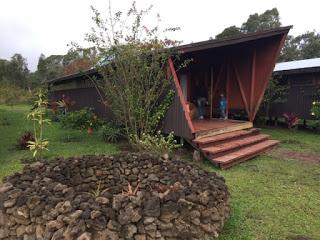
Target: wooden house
column 239, row 67
column 303, row 80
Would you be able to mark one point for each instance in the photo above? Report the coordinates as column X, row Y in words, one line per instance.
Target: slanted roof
column 306, row 65
column 200, row 46
column 214, row 43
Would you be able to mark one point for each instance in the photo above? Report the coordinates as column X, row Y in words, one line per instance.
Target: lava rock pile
column 124, row 196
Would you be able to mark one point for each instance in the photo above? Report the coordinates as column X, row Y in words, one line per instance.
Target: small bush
column 23, row 141
column 111, row 132
column 291, row 119
column 82, row 119
column 315, row 110
column 157, row 143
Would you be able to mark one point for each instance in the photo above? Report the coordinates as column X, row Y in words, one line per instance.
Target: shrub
column 82, row 119
column 315, row 110
column 23, row 141
column 111, row 132
column 291, row 119
column 157, row 143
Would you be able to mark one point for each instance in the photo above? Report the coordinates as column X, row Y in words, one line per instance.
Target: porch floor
column 217, row 126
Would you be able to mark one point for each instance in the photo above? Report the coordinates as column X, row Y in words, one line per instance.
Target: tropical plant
column 315, row 110
column 157, row 143
column 132, row 60
column 111, row 132
column 37, row 115
column 82, row 119
column 23, row 141
column 291, row 119
column 65, row 104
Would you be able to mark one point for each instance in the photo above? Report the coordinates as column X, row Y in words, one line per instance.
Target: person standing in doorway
column 223, row 107
column 201, row 96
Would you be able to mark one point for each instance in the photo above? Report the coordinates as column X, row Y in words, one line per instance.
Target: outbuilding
column 238, row 67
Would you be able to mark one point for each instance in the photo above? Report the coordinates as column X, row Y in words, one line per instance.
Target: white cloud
column 42, row 26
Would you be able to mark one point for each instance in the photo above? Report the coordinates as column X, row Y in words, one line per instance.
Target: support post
column 227, row 89
column 253, row 80
column 211, row 90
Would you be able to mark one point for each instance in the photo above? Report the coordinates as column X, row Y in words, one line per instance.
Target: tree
column 267, row 20
column 229, row 32
column 255, row 23
column 132, row 60
column 17, row 70
column 304, row 46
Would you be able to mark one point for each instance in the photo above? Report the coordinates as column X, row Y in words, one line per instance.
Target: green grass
column 271, row 198
column 63, row 142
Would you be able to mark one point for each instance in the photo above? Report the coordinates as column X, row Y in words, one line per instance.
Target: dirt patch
column 299, row 238
column 284, row 154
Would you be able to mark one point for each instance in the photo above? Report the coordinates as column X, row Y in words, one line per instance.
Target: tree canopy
column 304, row 46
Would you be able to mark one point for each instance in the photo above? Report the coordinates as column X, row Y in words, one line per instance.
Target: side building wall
column 304, row 88
column 83, row 93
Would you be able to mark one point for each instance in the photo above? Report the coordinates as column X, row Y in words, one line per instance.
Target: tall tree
column 267, row 20
column 229, row 32
column 18, row 70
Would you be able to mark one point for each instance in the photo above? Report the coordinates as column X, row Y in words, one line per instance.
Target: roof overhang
column 199, row 46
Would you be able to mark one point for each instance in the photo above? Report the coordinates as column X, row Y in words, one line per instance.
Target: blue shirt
column 223, row 103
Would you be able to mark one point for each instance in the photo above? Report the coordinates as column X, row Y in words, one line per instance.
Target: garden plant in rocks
column 125, row 196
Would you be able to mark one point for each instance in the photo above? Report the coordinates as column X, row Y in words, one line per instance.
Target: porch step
column 203, row 142
column 231, row 148
column 234, row 144
column 243, row 154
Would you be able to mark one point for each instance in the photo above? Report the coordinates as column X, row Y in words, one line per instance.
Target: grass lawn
column 63, row 142
column 271, row 198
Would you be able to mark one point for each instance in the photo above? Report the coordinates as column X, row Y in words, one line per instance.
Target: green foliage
column 37, row 115
column 157, row 143
column 111, row 132
column 259, row 22
column 255, row 23
column 276, row 92
column 315, row 110
column 229, row 32
column 132, row 58
column 11, row 95
column 82, row 119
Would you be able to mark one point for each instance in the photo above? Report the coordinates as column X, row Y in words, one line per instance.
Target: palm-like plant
column 37, row 115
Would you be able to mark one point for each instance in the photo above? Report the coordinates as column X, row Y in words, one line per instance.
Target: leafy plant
column 315, row 110
column 65, row 104
column 37, row 115
column 23, row 141
column 157, row 143
column 291, row 119
column 132, row 60
column 130, row 191
column 111, row 132
column 82, row 119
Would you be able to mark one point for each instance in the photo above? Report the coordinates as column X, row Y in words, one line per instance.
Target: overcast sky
column 33, row 27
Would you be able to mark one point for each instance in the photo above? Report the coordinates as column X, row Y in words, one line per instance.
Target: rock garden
column 125, row 196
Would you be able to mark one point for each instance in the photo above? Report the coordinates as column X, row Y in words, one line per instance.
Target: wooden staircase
column 231, row 148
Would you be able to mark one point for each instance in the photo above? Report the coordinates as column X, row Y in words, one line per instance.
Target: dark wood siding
column 303, row 90
column 83, row 97
column 175, row 120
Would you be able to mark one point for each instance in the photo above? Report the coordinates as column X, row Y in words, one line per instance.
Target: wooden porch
column 215, row 126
